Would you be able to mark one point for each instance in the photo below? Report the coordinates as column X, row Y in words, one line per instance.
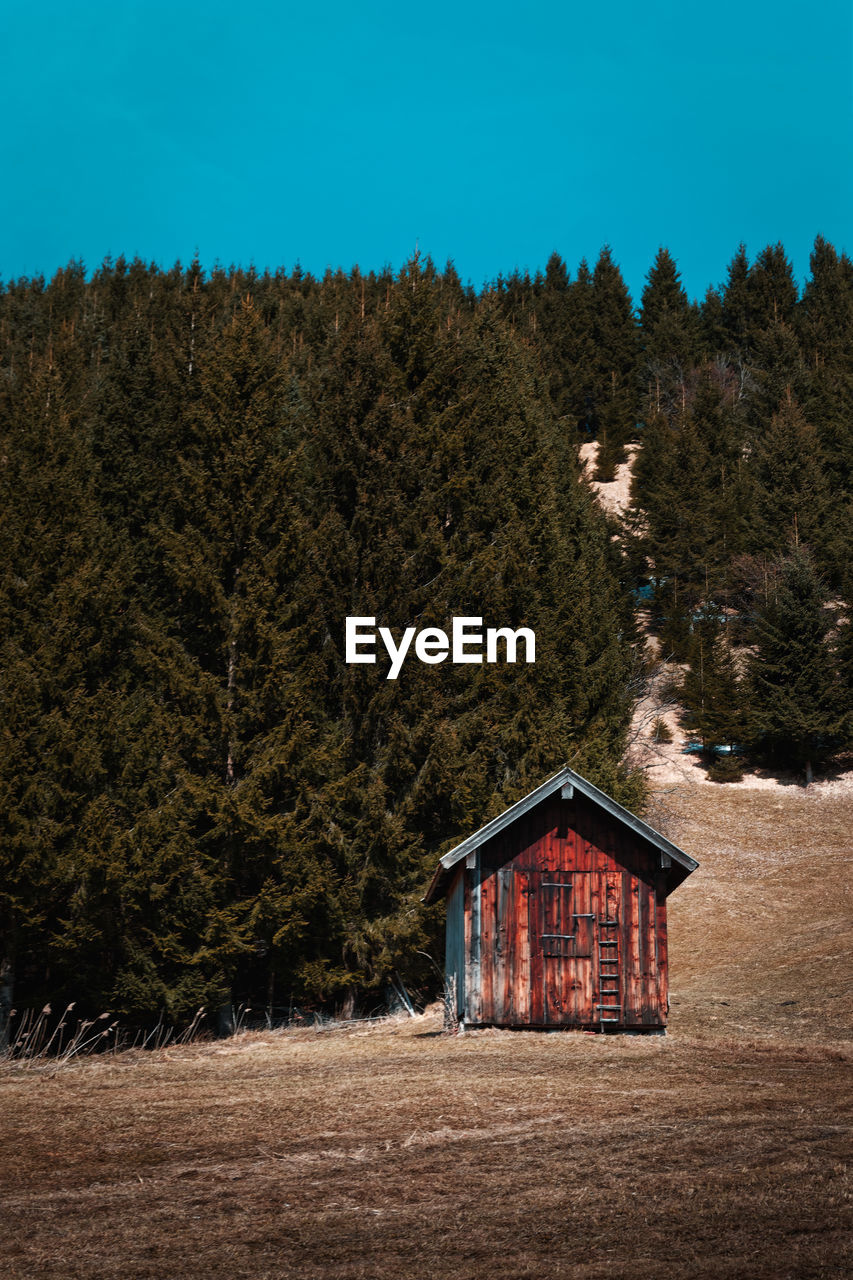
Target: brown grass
column 393, row 1151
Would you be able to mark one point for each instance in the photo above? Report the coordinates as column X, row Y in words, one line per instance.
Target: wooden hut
column 556, row 914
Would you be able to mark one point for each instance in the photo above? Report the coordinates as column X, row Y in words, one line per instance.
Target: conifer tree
column 736, row 317
column 776, row 372
column 792, row 499
column 796, row 700
column 691, row 502
column 669, row 333
column 712, row 324
column 825, row 326
column 581, row 354
column 712, row 690
column 755, row 297
column 771, row 289
column 555, row 322
column 616, row 390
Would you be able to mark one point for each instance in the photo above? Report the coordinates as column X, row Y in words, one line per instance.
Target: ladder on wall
column 609, row 1010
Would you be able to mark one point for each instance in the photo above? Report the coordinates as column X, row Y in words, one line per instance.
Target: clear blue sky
column 487, row 133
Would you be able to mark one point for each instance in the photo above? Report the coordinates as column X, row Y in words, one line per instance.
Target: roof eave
column 565, row 775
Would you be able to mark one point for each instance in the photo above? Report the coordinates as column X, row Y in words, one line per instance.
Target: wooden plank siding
column 535, row 906
column 454, row 950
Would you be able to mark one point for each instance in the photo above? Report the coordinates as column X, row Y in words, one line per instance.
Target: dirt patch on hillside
column 678, row 762
column 614, row 495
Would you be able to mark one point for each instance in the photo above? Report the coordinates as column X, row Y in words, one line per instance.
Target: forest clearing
column 390, row 1149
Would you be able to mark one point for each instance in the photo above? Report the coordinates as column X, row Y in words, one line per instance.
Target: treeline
column 204, row 474
column 743, row 510
column 202, row 477
column 740, row 533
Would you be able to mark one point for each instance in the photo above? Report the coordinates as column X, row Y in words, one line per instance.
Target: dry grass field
column 390, row 1150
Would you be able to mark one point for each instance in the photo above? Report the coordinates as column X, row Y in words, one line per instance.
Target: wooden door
column 561, row 948
column 506, row 999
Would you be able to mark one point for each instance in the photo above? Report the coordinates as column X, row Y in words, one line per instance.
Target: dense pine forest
column 204, row 474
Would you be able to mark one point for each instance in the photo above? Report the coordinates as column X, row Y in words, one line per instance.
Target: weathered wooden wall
column 454, row 965
column 565, row 923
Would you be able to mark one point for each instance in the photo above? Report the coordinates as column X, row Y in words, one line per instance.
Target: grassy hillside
column 762, row 934
column 391, row 1150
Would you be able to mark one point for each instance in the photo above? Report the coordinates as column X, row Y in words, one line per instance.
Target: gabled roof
column 560, row 779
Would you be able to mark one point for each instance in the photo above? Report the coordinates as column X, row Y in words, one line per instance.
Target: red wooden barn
column 556, row 913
